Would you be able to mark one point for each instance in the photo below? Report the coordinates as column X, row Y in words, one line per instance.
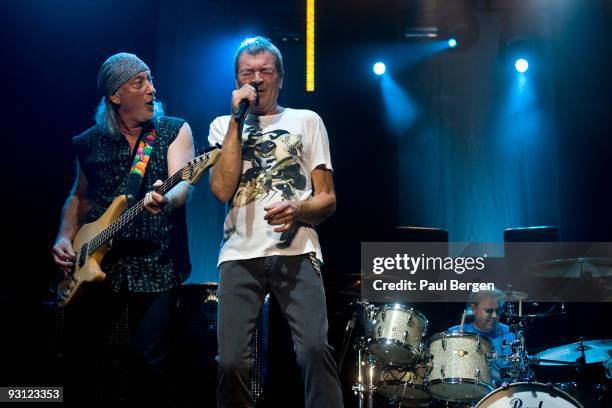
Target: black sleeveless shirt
column 151, row 254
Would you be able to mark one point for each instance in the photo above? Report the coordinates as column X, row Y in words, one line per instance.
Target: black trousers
column 298, row 287
column 117, row 347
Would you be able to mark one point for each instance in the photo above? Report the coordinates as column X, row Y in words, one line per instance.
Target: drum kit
column 399, row 365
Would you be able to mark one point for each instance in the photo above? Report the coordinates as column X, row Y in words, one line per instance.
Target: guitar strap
column 140, row 160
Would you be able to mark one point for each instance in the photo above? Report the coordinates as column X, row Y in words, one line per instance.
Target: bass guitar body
column 87, row 264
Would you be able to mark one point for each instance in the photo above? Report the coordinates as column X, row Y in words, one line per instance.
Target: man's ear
column 114, row 98
column 280, row 86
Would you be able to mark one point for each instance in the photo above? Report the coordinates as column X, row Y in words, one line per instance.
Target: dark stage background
column 448, row 139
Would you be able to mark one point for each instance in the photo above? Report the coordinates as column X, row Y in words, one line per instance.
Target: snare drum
column 397, row 333
column 460, row 369
column 528, row 395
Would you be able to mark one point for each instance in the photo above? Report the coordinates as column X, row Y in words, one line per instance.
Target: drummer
column 486, row 308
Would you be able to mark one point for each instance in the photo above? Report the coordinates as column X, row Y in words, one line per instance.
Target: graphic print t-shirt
column 279, row 152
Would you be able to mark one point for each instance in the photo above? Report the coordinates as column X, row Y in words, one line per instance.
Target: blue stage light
column 521, row 65
column 379, row 68
column 452, row 43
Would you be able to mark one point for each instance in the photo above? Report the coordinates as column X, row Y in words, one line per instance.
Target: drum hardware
column 576, row 358
column 363, row 390
column 397, row 363
column 360, row 314
column 579, row 369
column 393, row 333
column 347, row 338
column 518, row 359
column 401, row 383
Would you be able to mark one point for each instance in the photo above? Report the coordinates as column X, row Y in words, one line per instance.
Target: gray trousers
column 296, row 283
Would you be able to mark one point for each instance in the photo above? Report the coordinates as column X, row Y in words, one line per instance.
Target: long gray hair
column 106, row 114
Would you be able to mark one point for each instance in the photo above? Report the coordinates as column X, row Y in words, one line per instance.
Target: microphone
column 241, row 111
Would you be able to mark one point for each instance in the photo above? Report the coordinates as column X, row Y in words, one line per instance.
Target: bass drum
column 523, row 395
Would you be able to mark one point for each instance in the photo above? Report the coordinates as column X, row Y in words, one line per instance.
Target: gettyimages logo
column 518, row 403
column 412, row 264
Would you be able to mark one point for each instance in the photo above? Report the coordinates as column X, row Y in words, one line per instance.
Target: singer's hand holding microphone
column 242, row 98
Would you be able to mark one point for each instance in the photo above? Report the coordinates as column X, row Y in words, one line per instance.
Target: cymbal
column 595, row 351
column 515, row 295
column 573, row 268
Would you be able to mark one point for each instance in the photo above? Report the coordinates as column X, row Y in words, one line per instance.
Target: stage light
column 379, row 68
column 519, row 39
column 521, row 65
column 310, row 45
column 459, row 26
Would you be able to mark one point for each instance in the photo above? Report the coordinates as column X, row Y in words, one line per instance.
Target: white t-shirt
column 279, row 152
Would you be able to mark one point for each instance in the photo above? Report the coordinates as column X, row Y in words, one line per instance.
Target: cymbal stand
column 364, row 387
column 519, row 370
column 581, row 369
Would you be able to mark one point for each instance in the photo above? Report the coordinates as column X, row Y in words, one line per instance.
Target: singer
column 275, row 173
